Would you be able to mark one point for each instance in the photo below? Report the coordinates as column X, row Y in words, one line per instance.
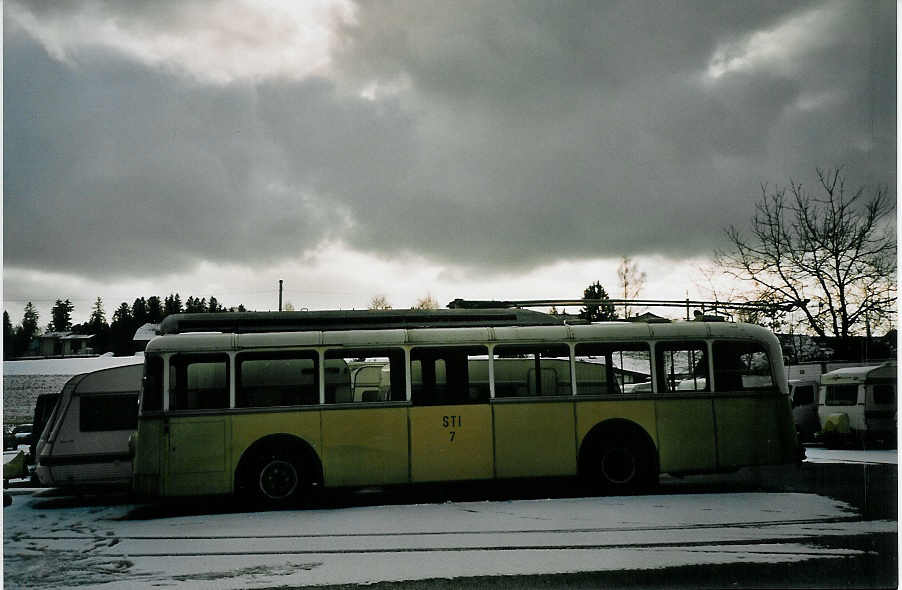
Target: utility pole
column 280, row 294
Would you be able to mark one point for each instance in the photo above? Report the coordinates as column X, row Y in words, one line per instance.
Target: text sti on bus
column 267, row 405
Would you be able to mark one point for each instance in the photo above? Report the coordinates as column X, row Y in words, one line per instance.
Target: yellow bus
column 267, row 406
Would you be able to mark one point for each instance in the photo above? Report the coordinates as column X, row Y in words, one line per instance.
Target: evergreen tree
column 213, row 306
column 7, row 336
column 62, row 316
column 597, row 313
column 24, row 334
column 139, row 311
column 154, row 310
column 98, row 326
column 173, row 304
column 122, row 330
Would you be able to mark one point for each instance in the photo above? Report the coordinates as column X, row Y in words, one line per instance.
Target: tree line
column 114, row 336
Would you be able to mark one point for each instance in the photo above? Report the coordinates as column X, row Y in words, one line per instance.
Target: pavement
column 829, row 523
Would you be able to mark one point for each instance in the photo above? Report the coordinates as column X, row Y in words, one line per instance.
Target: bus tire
column 620, row 461
column 273, row 476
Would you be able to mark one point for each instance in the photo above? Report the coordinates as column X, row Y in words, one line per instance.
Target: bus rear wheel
column 277, row 480
column 621, row 463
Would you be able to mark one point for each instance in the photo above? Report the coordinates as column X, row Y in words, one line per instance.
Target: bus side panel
column 364, row 446
column 754, row 431
column 197, row 461
column 451, row 442
column 249, row 428
column 591, row 412
column 686, row 435
column 534, row 439
column 147, row 456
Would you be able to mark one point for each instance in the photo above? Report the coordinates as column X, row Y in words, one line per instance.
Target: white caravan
column 858, row 404
column 85, row 441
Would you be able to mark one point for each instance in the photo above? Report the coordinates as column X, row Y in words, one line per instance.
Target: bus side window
column 682, row 366
column 741, row 366
column 266, row 379
column 364, row 375
column 152, row 394
column 199, row 382
column 449, row 375
column 527, row 370
column 603, row 369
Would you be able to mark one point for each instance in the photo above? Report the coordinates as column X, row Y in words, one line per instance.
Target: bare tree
column 379, row 302
column 427, row 302
column 832, row 255
column 631, row 281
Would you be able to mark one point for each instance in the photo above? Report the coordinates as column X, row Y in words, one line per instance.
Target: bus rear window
column 841, row 395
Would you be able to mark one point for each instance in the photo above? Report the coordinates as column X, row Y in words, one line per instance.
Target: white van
column 858, row 404
column 85, row 441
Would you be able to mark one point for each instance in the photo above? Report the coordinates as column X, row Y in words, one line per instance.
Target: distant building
column 65, row 344
column 143, row 335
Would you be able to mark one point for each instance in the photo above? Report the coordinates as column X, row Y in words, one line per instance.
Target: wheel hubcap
column 278, row 479
column 618, row 465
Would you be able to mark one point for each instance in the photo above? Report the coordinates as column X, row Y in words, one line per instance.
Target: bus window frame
column 404, row 350
column 538, row 397
column 409, row 370
column 615, row 346
column 659, row 370
column 276, row 354
column 230, row 382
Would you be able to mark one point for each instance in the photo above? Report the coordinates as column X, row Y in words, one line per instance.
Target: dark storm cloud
column 510, row 134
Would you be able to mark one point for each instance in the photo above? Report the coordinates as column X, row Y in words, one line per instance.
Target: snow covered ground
column 91, row 546
column 68, row 366
column 820, row 455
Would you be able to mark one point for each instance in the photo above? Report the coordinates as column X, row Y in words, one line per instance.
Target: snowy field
column 52, row 544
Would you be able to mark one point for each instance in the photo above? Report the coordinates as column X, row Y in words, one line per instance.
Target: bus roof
column 456, row 334
column 322, row 321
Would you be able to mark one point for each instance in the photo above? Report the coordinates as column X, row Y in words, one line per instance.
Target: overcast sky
column 461, row 149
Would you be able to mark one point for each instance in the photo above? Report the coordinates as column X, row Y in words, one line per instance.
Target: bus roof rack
column 716, row 307
column 337, row 320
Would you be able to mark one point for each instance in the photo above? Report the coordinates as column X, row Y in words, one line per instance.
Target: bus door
column 196, row 430
column 364, row 421
column 684, row 408
column 533, row 411
column 451, row 419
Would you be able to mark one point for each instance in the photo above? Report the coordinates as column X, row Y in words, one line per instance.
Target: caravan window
column 108, row 412
column 841, row 395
